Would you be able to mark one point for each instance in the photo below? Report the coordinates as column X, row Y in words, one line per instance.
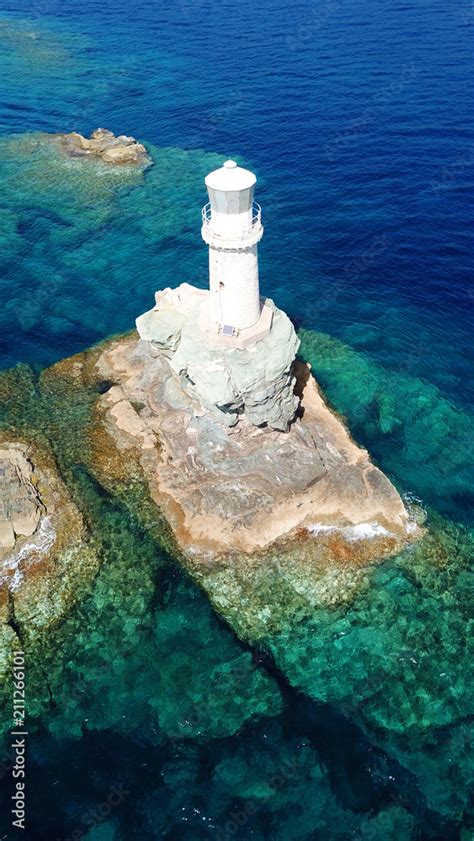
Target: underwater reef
column 386, row 646
column 71, row 228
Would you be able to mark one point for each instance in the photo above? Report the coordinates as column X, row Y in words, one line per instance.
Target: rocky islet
column 103, row 144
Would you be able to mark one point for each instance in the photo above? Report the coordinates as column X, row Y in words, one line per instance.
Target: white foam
column 362, row 531
column 41, row 542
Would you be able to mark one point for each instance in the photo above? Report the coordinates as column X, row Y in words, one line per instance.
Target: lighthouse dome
column 230, row 178
column 230, row 188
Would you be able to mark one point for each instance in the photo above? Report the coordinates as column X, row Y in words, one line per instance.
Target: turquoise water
column 347, row 724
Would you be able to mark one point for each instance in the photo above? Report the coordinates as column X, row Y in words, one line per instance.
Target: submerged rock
column 71, row 213
column 106, row 146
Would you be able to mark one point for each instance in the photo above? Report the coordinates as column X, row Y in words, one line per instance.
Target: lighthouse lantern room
column 232, row 228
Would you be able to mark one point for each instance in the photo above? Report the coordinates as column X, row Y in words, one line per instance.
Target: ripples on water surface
column 356, row 118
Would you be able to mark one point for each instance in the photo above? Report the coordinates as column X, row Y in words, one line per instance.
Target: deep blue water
column 357, row 118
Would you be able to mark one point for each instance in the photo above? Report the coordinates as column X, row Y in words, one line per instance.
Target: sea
column 357, row 118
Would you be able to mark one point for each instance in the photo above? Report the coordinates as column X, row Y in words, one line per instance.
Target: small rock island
column 44, row 553
column 103, row 144
column 236, row 442
column 206, row 422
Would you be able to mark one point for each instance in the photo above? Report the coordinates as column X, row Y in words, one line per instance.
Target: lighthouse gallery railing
column 255, row 220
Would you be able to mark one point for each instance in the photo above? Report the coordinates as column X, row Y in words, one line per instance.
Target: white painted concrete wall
column 231, row 225
column 233, row 281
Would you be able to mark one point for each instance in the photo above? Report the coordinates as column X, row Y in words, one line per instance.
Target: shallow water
column 354, row 116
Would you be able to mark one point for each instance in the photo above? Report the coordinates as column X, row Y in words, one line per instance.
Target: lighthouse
column 232, row 228
column 231, row 352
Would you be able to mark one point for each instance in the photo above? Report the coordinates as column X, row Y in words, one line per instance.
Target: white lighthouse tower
column 228, row 350
column 232, row 228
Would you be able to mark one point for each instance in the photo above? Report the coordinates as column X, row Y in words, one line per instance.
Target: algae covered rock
column 346, row 634
column 20, row 506
column 51, row 561
column 64, row 214
column 397, row 659
column 41, row 572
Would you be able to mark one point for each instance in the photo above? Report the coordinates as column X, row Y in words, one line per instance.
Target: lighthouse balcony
column 231, row 231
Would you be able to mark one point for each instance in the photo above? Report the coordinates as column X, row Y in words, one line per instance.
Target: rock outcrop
column 44, row 551
column 105, row 145
column 20, row 506
column 255, row 383
column 241, row 489
column 266, row 520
